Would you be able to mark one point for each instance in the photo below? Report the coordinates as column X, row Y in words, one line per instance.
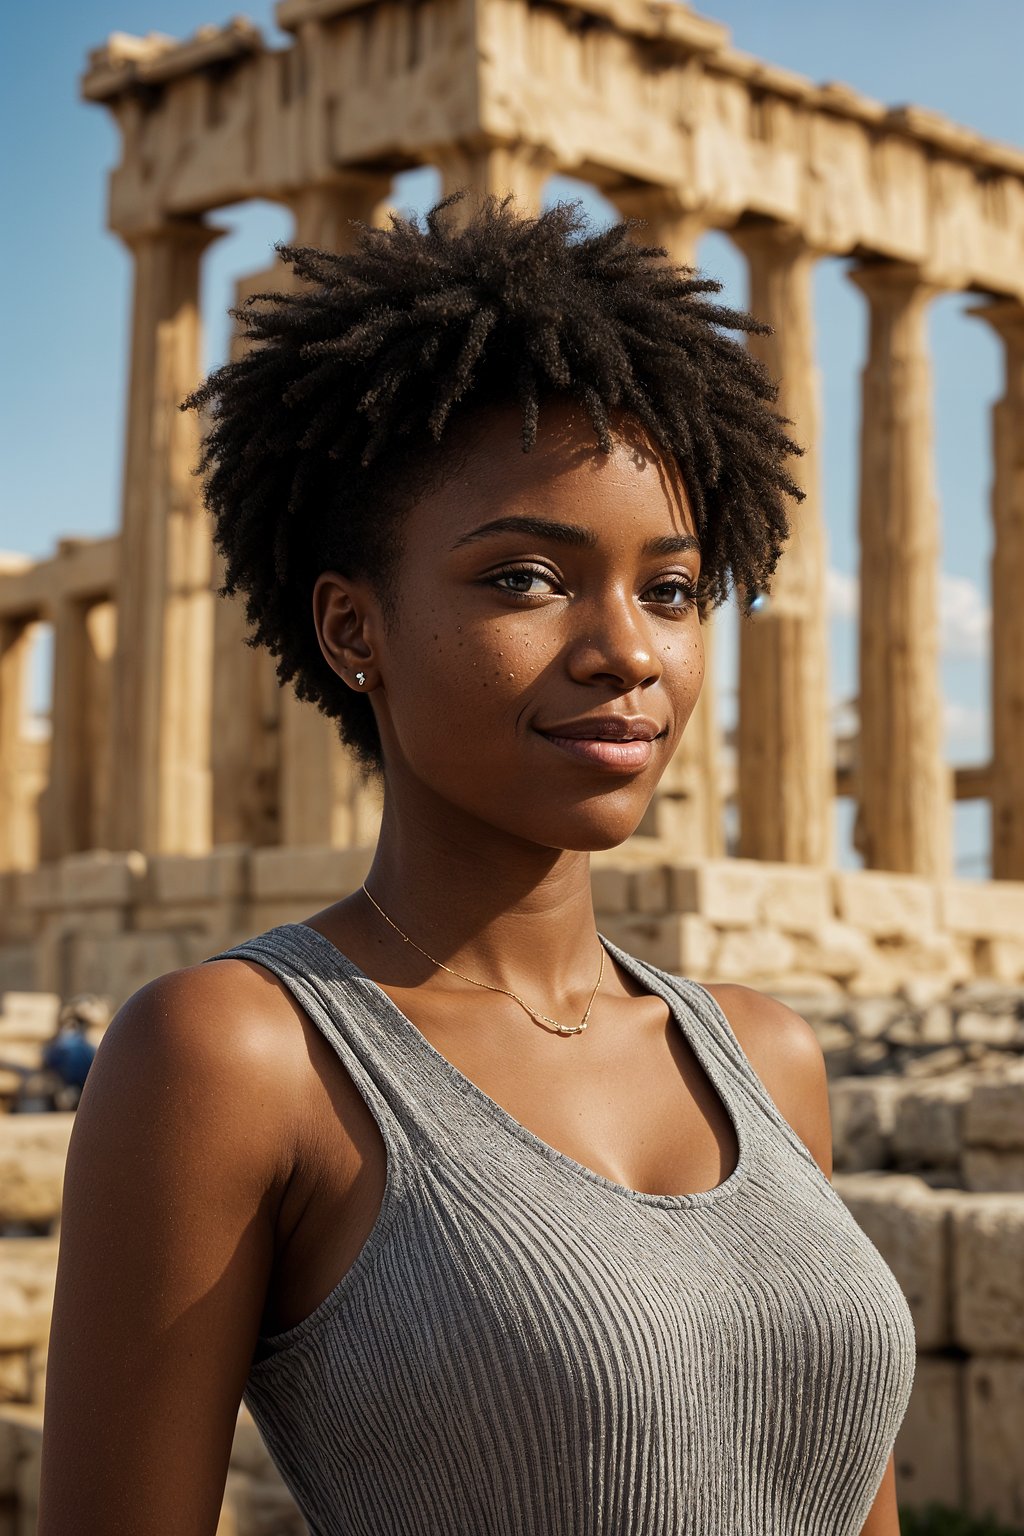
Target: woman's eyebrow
column 571, row 533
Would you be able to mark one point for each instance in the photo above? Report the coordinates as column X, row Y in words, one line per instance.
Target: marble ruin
column 649, row 102
column 140, row 837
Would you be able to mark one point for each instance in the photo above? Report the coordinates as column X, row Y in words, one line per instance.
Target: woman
column 495, row 1227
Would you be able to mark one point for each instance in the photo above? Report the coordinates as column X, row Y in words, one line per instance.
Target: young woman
column 496, row 1228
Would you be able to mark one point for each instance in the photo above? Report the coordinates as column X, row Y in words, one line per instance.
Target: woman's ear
column 346, row 615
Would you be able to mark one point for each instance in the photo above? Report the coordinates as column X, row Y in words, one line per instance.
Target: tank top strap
column 356, row 1018
column 720, row 1054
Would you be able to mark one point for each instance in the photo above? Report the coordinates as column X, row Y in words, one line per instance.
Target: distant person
column 70, row 1053
column 498, row 1229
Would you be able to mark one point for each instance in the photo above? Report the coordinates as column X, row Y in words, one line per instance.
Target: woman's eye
column 521, row 579
column 674, row 594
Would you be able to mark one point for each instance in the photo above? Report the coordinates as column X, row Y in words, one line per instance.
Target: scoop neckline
column 468, row 1088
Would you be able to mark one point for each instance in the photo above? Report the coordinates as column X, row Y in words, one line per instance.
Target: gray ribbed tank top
column 525, row 1348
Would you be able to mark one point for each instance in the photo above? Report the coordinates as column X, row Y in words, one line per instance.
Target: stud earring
column 360, row 678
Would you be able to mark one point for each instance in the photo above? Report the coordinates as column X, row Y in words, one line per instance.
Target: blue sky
column 67, row 285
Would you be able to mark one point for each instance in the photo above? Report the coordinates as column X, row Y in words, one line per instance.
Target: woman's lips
column 624, row 756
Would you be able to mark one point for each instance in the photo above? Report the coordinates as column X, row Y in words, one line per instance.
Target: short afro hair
column 323, row 432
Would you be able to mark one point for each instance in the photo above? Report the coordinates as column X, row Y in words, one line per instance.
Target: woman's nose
column 614, row 643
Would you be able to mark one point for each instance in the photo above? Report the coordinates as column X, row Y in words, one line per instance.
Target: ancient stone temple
column 184, row 801
column 650, row 103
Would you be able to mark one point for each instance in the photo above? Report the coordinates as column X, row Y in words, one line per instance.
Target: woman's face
column 545, row 652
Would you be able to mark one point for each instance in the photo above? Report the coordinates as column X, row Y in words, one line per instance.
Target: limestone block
column 101, row 878
column 15, row 1378
column 39, row 889
column 610, row 887
column 930, row 983
column 744, row 892
column 258, row 916
column 28, row 1015
column 996, row 1169
column 835, row 948
column 881, row 977
column 28, row 1266
column 837, row 1045
column 17, row 965
column 932, row 1064
column 218, row 876
column 994, row 1117
column 37, row 1357
column 936, row 957
column 637, row 852
column 901, row 906
column 872, row 1016
column 870, row 1056
column 929, row 1460
column 906, row 1030
column 937, row 1024
column 722, row 891
column 1001, row 959
column 33, row 1149
column 744, row 954
column 984, row 909
column 27, row 1478
column 804, row 989
column 20, row 1429
column 927, row 1131
column 186, row 917
column 988, row 1273
column 650, row 890
column 118, row 966
column 797, row 900
column 988, row 1028
column 258, row 1507
column 995, row 1434
column 56, row 927
column 17, row 1052
column 987, row 994
column 313, row 873
column 248, row 1452
column 863, row 1114
column 680, row 942
column 909, row 1225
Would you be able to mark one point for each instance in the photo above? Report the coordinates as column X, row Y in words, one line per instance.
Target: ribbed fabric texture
column 526, row 1348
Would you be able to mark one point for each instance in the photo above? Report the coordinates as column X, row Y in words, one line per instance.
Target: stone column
column 18, row 829
column 320, row 789
column 1006, row 317
column 161, row 705
column 495, row 169
column 247, row 700
column 905, row 788
column 688, row 806
column 65, row 805
column 786, row 772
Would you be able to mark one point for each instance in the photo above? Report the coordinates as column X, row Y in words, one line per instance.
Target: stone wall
column 108, row 922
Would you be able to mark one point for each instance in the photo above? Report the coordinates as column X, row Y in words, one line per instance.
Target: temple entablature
column 629, row 94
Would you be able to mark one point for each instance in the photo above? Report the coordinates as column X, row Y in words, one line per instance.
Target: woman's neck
column 481, row 900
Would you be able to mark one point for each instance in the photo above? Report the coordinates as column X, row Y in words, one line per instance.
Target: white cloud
column 965, row 618
column 964, row 722
column 841, row 594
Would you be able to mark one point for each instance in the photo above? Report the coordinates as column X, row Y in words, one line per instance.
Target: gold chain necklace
column 562, row 1029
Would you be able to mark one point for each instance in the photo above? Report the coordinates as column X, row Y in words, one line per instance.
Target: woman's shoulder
column 220, row 1043
column 225, row 1010
column 784, row 1051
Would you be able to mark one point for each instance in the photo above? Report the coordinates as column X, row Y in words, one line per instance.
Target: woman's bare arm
column 180, row 1153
